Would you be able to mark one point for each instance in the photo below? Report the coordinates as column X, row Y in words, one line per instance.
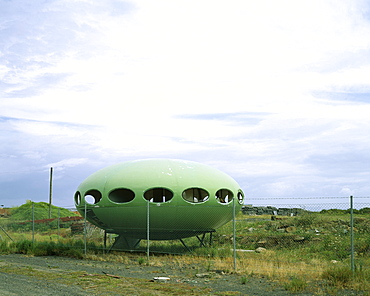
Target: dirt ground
column 217, row 282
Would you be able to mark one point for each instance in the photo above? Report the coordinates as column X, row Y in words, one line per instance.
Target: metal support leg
column 6, row 233
column 105, row 241
column 184, row 244
column 201, row 240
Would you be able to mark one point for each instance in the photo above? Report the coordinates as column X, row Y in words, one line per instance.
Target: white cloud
column 102, row 82
column 346, row 191
column 71, row 162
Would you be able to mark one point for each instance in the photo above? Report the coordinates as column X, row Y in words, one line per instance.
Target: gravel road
column 220, row 284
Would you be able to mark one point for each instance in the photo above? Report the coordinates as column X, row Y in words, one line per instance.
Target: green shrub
column 141, row 260
column 5, row 247
column 362, row 245
column 40, row 211
column 72, row 253
column 338, row 276
column 342, row 277
column 295, row 285
column 364, row 211
column 46, row 249
column 24, row 247
column 244, row 280
column 50, row 248
column 306, row 220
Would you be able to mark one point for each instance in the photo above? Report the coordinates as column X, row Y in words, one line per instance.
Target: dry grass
column 293, row 274
column 265, row 264
column 311, row 261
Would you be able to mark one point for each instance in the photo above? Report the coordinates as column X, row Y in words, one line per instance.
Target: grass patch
column 338, row 276
column 343, row 277
column 296, row 285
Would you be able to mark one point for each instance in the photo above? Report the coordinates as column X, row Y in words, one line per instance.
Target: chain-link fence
column 267, row 236
column 303, row 230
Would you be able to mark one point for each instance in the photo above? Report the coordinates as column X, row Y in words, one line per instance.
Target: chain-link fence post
column 234, row 234
column 352, row 236
column 33, row 223
column 58, row 222
column 147, row 230
column 85, row 231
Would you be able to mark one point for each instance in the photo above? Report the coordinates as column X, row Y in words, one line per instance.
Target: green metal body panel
column 172, row 219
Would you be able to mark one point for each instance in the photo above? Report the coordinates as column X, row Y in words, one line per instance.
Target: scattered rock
column 203, row 275
column 242, row 250
column 219, row 271
column 161, row 279
column 262, row 243
column 260, row 250
column 290, row 229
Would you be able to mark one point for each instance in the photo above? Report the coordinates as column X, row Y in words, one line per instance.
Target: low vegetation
column 309, row 252
column 38, row 211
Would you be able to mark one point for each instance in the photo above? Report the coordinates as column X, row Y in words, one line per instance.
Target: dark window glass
column 158, row 195
column 77, row 197
column 241, row 197
column 224, row 196
column 195, row 195
column 92, row 196
column 121, row 195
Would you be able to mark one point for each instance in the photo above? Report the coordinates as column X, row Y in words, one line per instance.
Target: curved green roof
column 122, row 192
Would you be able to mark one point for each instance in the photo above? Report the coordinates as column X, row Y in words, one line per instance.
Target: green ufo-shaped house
column 173, row 198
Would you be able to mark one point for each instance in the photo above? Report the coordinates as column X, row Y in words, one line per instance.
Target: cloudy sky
column 274, row 93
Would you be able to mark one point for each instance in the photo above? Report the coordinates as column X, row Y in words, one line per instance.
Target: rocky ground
column 46, row 281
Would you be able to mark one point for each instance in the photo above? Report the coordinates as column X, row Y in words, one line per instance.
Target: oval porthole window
column 92, row 196
column 158, row 195
column 121, row 195
column 195, row 195
column 240, row 197
column 77, row 197
column 224, row 196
